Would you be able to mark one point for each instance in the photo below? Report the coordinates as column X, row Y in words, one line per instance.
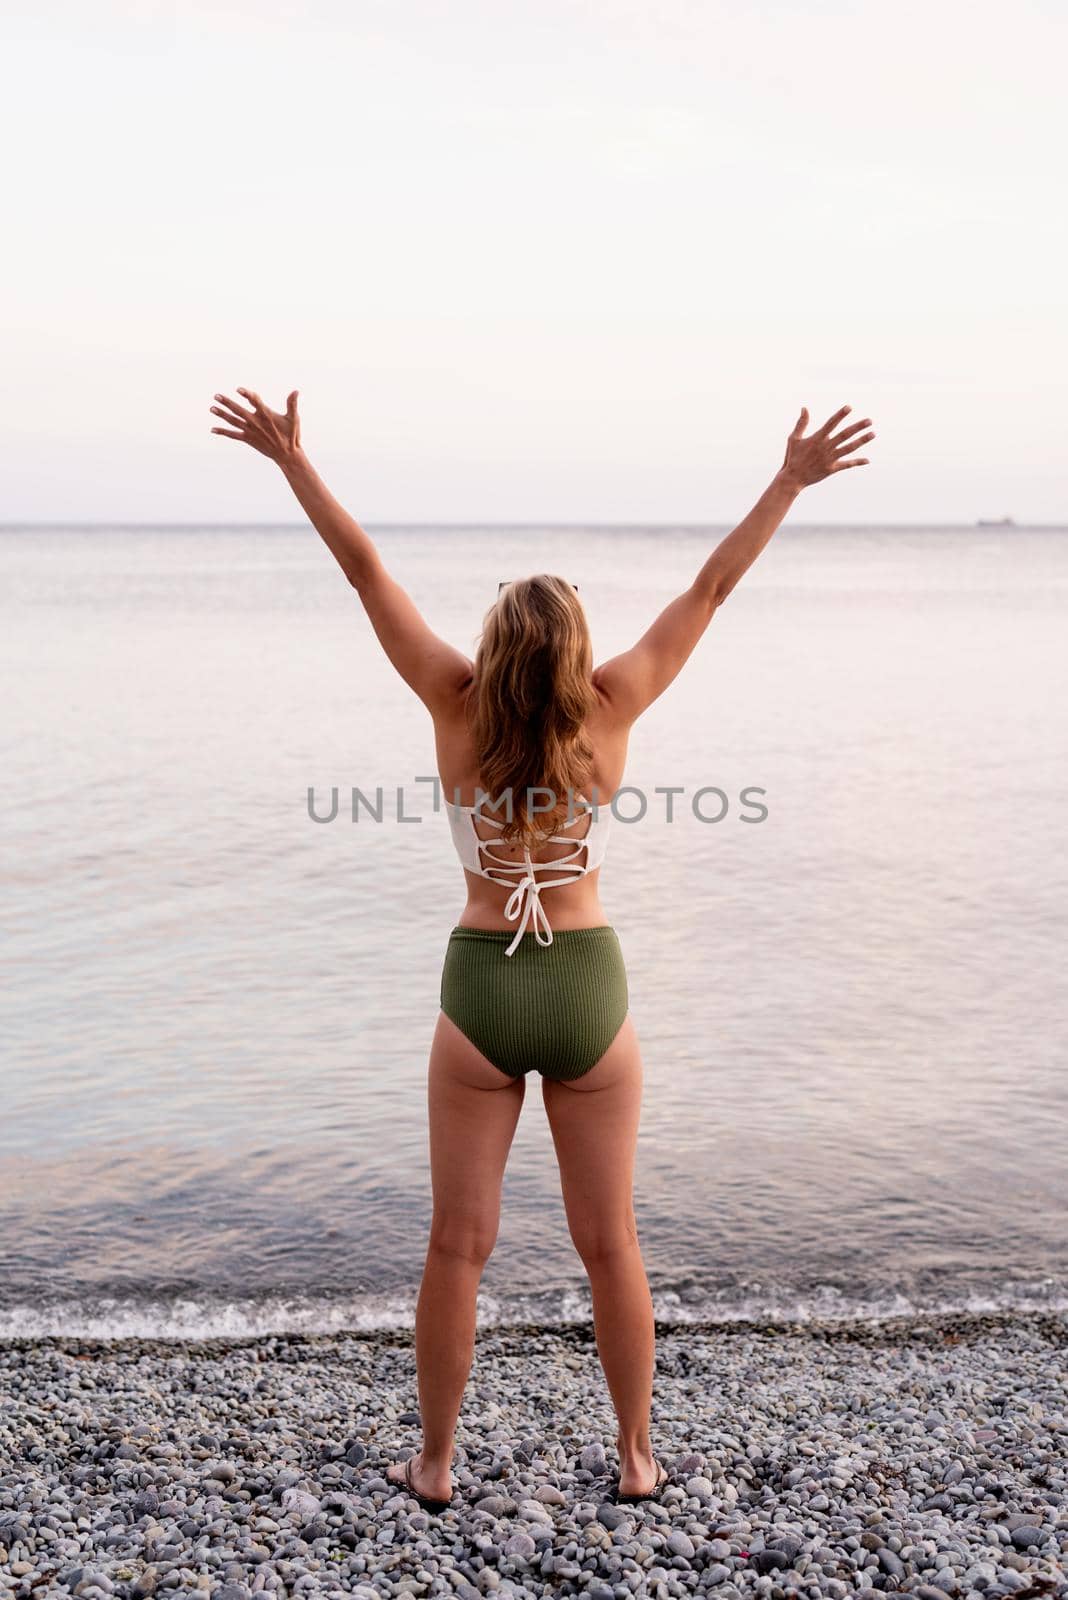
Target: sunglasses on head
column 507, row 581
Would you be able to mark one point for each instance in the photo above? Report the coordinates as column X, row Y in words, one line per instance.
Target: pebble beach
column 927, row 1456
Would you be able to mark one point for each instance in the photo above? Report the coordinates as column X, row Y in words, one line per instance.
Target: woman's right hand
column 275, row 434
column 809, row 459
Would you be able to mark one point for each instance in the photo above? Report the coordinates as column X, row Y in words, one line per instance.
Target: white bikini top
column 524, row 901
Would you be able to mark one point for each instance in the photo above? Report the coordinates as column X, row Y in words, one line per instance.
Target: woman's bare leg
column 473, row 1111
column 594, row 1122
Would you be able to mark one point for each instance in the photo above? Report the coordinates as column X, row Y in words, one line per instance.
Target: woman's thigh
column 473, row 1109
column 594, row 1123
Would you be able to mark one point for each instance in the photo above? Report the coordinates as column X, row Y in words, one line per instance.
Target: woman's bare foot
column 435, row 1483
column 638, row 1475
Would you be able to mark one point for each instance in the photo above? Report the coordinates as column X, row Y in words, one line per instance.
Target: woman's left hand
column 275, row 434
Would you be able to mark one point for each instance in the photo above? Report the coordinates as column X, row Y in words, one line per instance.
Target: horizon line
column 481, row 523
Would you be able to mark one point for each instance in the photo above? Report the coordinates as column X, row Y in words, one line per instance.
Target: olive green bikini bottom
column 552, row 1008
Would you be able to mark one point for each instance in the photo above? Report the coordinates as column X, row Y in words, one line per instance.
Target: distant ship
column 995, row 522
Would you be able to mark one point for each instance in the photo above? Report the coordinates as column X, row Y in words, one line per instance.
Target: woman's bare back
column 575, row 904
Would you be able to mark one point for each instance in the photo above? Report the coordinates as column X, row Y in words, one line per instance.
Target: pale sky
column 534, row 259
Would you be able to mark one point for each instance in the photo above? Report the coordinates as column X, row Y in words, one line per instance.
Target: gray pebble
column 533, row 1511
column 679, row 1543
column 770, row 1560
column 497, row 1505
column 891, row 1562
column 299, row 1503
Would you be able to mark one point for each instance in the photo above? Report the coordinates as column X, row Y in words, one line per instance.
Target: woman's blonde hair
column 529, row 702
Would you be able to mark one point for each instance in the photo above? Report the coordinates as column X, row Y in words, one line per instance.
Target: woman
column 531, row 722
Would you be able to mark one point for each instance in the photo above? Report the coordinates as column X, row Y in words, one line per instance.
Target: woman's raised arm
column 428, row 664
column 632, row 681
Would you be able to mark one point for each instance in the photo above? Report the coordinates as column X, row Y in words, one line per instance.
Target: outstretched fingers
column 857, row 461
column 847, row 433
column 854, row 444
column 236, row 411
column 801, row 424
column 832, row 422
column 227, row 416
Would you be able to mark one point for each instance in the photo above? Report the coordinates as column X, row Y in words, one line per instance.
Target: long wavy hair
column 529, row 701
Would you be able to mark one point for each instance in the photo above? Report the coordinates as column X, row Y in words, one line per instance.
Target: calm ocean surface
column 217, row 1012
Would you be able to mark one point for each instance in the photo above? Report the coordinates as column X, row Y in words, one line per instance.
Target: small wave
column 195, row 1317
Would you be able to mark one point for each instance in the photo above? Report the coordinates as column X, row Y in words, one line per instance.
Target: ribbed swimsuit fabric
column 553, row 1009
